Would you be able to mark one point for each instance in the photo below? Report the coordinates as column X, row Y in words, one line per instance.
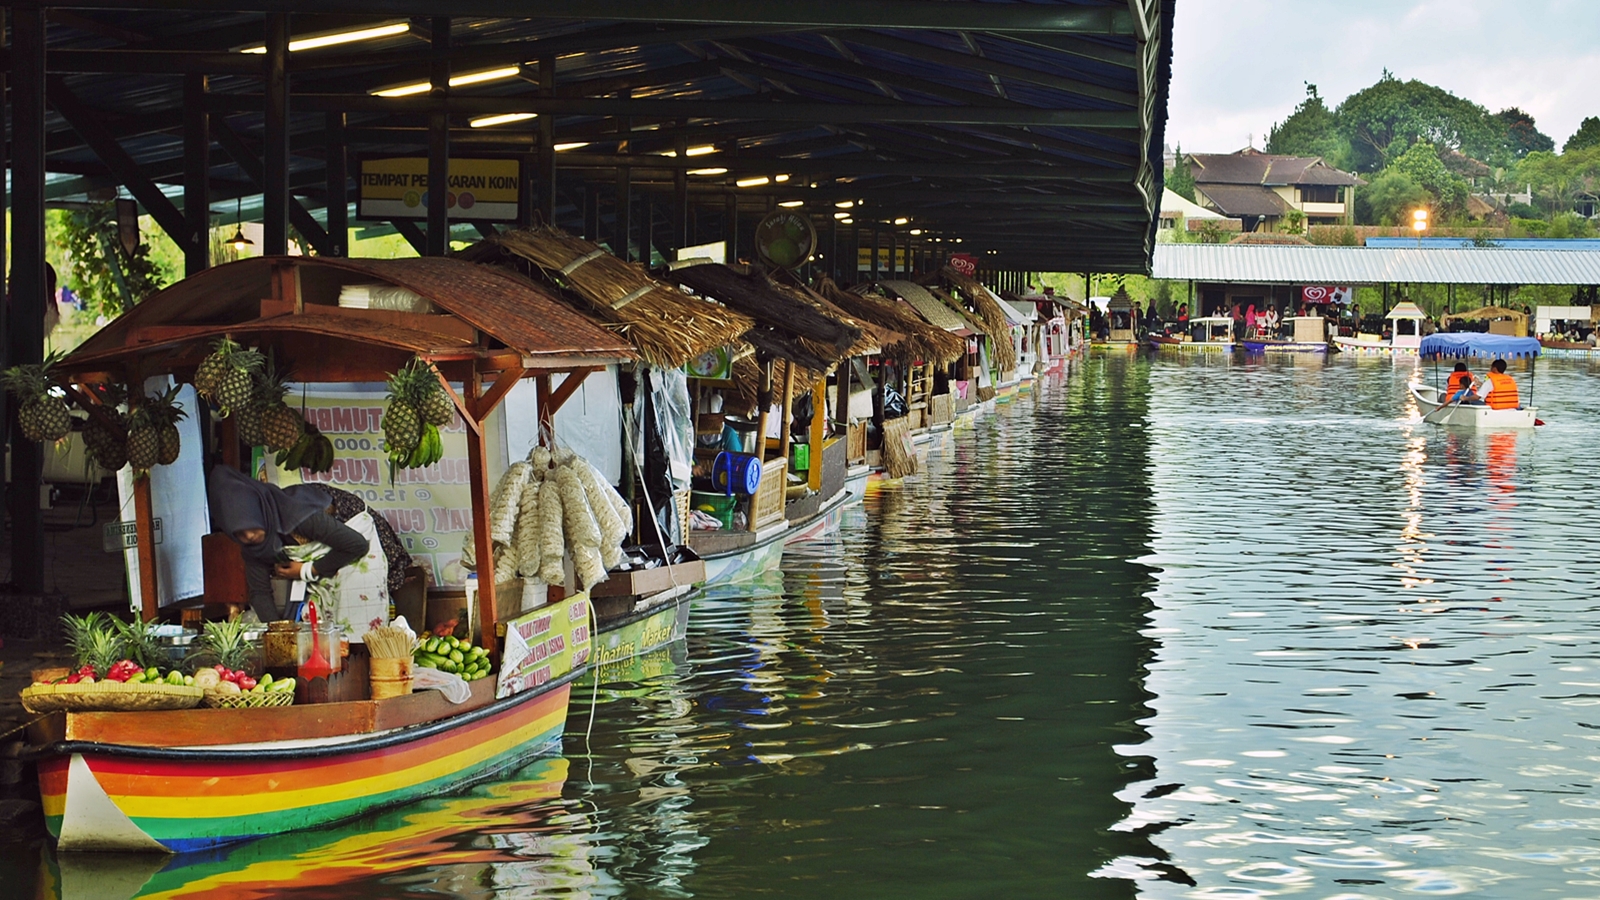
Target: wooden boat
column 732, row 557
column 1209, row 334
column 1571, row 349
column 1433, row 402
column 183, row 780
column 1405, row 334
column 1280, row 345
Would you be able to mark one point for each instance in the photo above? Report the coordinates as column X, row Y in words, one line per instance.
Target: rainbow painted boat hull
column 131, row 798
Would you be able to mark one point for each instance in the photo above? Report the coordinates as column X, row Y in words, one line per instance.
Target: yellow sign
column 544, row 645
column 397, row 188
column 864, row 259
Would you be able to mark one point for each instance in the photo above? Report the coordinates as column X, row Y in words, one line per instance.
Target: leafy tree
column 1558, row 180
column 1422, row 165
column 1390, row 198
column 1522, row 137
column 1311, row 130
column 108, row 278
column 1587, row 135
column 1180, row 180
column 1383, row 121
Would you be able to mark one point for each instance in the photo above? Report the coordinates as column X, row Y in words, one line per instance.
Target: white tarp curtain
column 589, row 423
column 178, row 499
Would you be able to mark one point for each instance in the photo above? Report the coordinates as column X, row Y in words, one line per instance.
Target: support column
column 680, row 199
column 622, row 233
column 876, row 248
column 894, row 250
column 275, row 156
column 545, row 177
column 196, row 175
column 338, row 184
column 25, row 329
column 730, row 226
column 439, row 140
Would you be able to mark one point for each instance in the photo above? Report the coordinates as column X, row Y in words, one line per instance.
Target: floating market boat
column 1405, row 334
column 1310, row 336
column 1433, row 401
column 1209, row 334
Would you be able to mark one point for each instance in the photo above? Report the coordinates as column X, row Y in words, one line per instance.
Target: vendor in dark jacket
column 262, row 518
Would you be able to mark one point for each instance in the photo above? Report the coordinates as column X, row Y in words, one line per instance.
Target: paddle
column 1460, row 396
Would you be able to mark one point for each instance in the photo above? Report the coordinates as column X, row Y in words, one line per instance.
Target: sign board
column 430, row 508
column 120, row 536
column 1326, row 293
column 715, row 364
column 864, row 259
column 544, row 645
column 786, row 239
column 965, row 263
column 397, row 188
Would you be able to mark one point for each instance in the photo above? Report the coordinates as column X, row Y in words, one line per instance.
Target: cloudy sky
column 1241, row 65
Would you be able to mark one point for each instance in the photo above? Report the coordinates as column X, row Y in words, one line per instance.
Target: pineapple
column 224, row 643
column 247, row 419
column 234, row 389
column 402, row 427
column 94, row 641
column 432, row 402
column 224, row 377
column 281, row 427
column 165, row 414
column 139, row 643
column 144, row 440
column 209, row 375
column 42, row 415
column 106, row 442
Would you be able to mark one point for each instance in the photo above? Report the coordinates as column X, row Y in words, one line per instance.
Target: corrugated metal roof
column 1372, row 265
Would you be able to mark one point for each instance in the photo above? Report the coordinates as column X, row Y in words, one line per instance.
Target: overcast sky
column 1239, row 66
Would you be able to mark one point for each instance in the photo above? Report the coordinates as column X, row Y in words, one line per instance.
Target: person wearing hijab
column 262, row 517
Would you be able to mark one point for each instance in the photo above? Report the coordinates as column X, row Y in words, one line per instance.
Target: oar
column 1460, row 396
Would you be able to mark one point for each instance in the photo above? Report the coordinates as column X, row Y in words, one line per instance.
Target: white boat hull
column 1468, row 415
column 1376, row 348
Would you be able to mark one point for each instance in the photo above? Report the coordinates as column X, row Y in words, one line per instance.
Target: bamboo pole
column 819, row 409
column 784, row 431
column 764, row 400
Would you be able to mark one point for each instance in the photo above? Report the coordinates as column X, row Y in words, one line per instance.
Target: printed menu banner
column 544, row 645
column 430, row 508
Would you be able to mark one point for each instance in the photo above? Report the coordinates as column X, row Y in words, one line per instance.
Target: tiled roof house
column 1259, row 188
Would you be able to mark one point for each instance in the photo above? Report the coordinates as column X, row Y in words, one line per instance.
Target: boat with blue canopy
column 1435, row 402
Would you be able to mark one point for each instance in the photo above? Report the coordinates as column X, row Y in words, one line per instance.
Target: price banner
column 544, row 645
column 430, row 508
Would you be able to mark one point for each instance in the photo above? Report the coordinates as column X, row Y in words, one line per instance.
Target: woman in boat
column 262, row 518
column 1459, row 385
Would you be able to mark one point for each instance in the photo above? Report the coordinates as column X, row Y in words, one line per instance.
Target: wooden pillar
column 439, row 140
column 784, row 431
column 275, row 158
column 144, row 522
column 25, row 329
column 622, row 239
column 680, row 199
column 338, row 184
column 819, row 409
column 196, row 175
column 730, row 226
column 873, row 268
column 546, row 176
column 478, row 479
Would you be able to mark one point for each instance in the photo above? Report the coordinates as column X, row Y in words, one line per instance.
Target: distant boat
column 1405, row 334
column 1434, row 402
column 1215, row 335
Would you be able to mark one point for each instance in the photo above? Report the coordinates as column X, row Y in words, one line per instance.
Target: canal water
column 1170, row 628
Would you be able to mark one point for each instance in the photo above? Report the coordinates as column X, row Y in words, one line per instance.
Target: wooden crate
column 941, row 409
column 856, row 442
column 767, row 504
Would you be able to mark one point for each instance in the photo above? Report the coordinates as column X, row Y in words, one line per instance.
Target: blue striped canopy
column 1487, row 346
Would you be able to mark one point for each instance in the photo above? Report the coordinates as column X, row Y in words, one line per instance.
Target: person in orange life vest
column 1499, row 390
column 1459, row 385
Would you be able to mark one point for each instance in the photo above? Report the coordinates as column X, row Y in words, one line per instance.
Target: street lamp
column 1419, row 223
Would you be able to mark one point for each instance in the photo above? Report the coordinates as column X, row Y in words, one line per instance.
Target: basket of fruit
column 116, row 671
column 236, row 689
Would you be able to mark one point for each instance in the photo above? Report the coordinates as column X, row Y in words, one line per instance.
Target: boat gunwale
column 382, row 740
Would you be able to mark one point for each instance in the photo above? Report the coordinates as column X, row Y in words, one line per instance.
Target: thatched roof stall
column 995, row 322
column 484, row 327
column 933, row 310
column 668, row 327
column 919, row 339
column 1518, row 320
column 787, row 326
column 873, row 336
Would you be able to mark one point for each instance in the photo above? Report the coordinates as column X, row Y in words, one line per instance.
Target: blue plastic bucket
column 736, row 473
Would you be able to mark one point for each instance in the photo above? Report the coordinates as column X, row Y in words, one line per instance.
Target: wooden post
column 819, row 409
column 144, row 528
column 483, row 544
column 784, row 431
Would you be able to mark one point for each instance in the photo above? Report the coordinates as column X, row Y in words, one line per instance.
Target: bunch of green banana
column 313, row 451
column 429, row 450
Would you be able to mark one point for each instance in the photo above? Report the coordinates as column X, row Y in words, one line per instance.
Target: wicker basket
column 249, row 700
column 108, row 696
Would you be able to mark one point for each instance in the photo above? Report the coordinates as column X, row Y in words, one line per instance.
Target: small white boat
column 1470, row 415
column 1433, row 401
column 1211, row 334
column 1405, row 326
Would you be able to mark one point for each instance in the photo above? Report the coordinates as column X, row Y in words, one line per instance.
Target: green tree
column 108, row 277
column 1390, row 198
column 1311, row 130
column 1522, row 137
column 1587, row 135
column 1180, row 180
column 1422, row 165
column 1384, row 120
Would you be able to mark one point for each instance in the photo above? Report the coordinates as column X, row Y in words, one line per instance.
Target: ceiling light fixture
column 757, row 181
column 422, row 87
column 780, row 178
column 915, row 232
column 844, row 204
column 572, row 146
column 712, row 171
column 501, row 119
column 334, row 38
column 238, row 241
column 700, row 151
column 901, row 221
column 791, row 204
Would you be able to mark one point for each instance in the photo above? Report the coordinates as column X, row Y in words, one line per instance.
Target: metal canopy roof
column 1025, row 133
column 1370, row 265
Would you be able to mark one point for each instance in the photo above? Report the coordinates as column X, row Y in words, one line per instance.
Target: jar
column 281, row 646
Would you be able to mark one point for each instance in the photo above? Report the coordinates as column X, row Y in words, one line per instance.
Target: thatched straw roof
column 873, row 337
column 919, row 341
column 787, row 326
column 935, row 311
column 995, row 323
column 668, row 326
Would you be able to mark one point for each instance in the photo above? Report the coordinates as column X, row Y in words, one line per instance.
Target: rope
column 635, row 294
column 578, row 263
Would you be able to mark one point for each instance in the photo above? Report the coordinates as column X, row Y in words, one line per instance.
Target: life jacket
column 1459, row 381
column 1503, row 392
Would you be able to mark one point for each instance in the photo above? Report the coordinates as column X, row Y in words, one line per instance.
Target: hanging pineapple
column 105, row 436
column 165, row 413
column 224, row 377
column 42, row 414
column 281, row 427
column 402, row 423
column 432, row 402
column 413, row 439
column 144, row 440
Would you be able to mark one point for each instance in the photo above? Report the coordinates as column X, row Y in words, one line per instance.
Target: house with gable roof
column 1260, row 188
